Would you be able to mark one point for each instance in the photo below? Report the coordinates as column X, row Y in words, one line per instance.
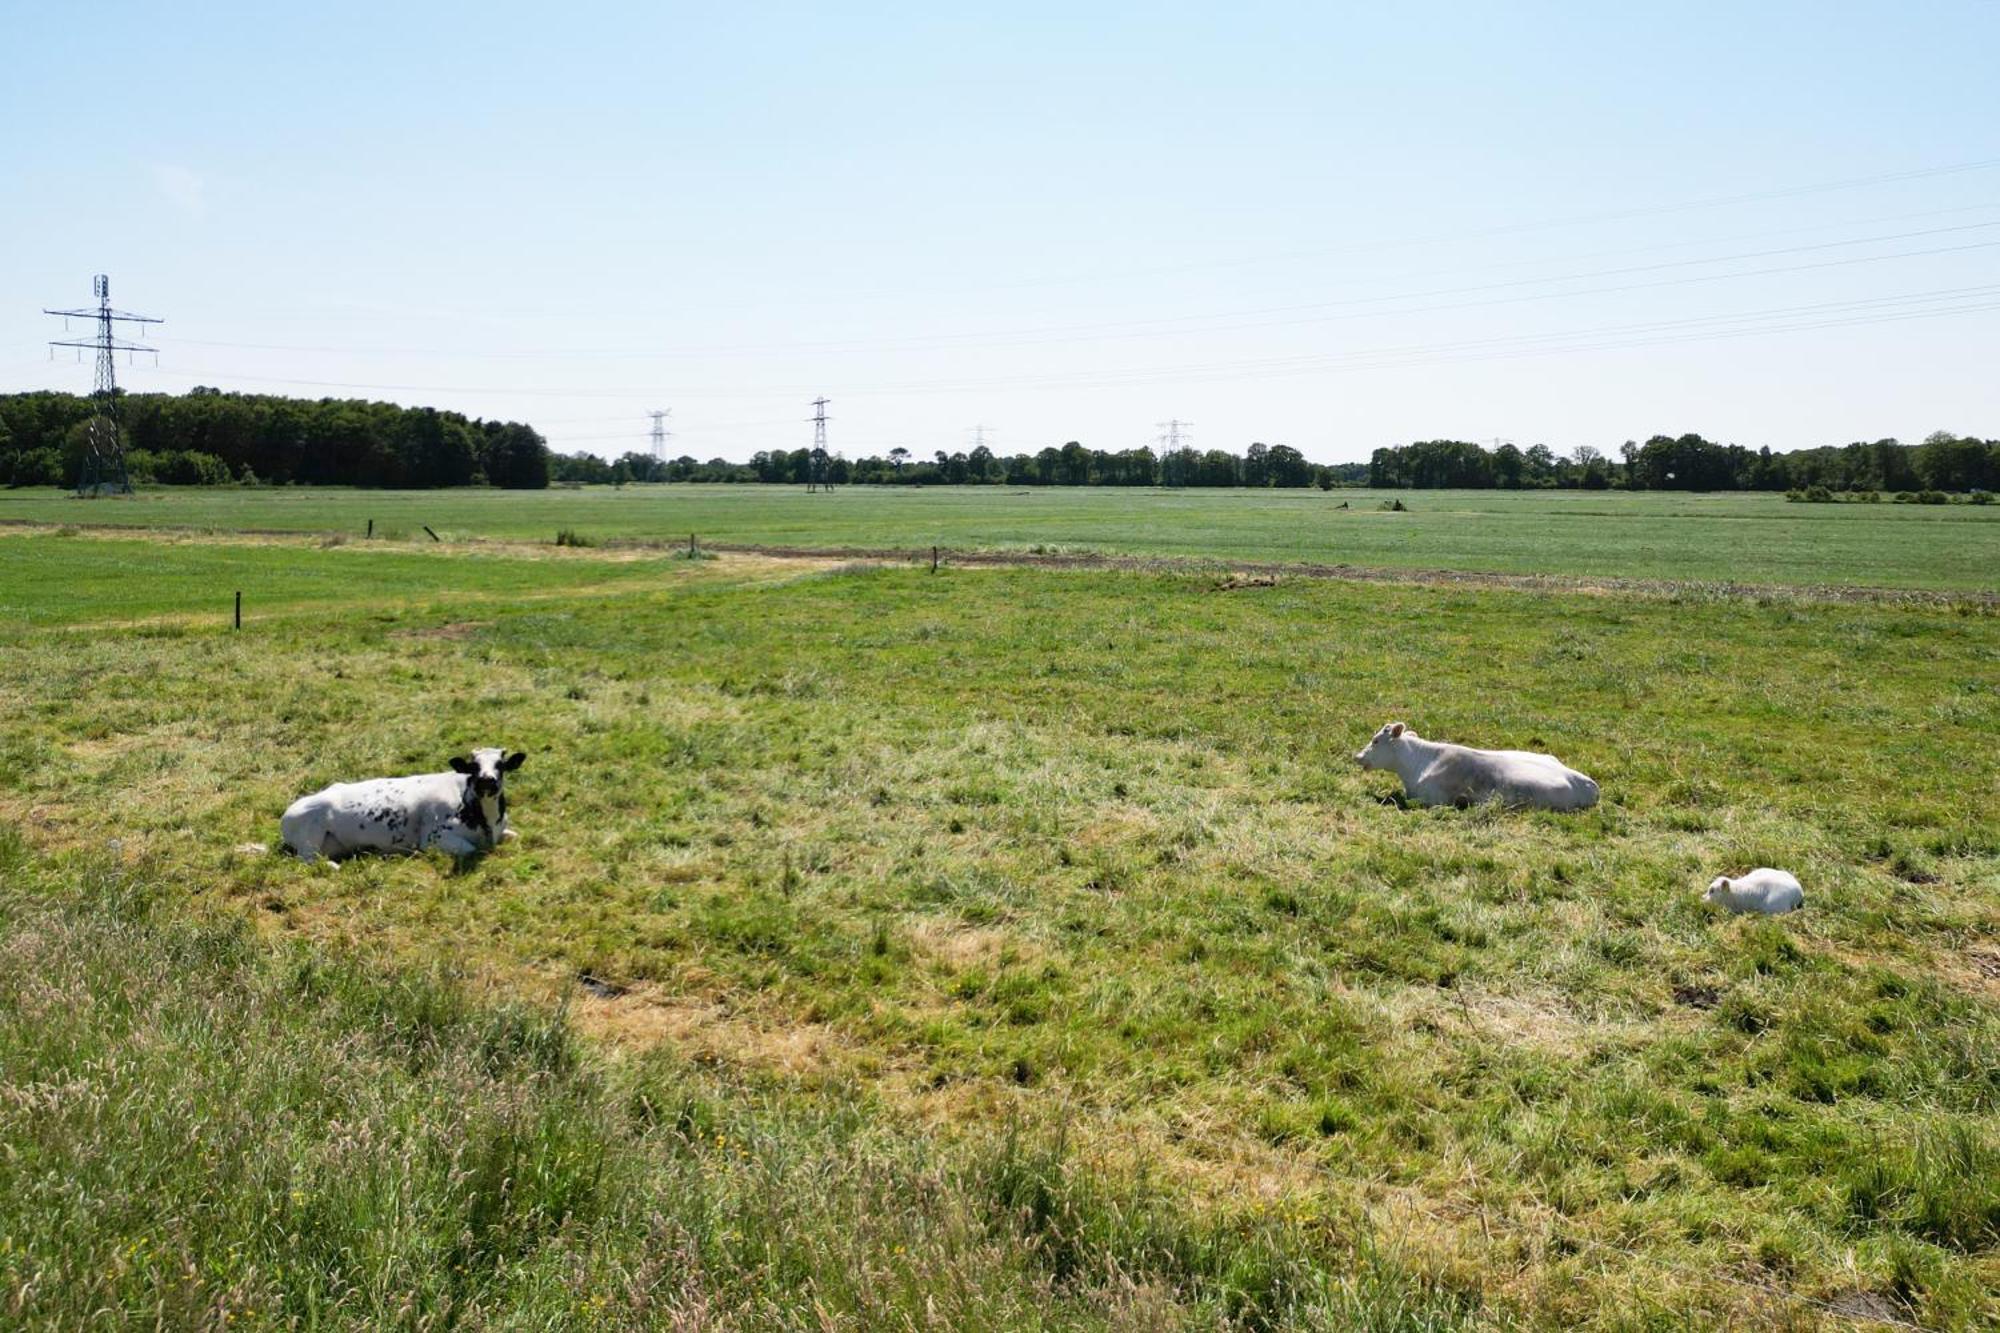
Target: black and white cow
column 460, row 812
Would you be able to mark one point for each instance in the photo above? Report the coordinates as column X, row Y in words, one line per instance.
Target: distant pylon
column 660, row 433
column 1173, row 467
column 104, row 457
column 816, row 462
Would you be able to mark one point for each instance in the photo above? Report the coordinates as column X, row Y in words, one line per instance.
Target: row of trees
column 1943, row 462
column 1071, row 465
column 207, row 436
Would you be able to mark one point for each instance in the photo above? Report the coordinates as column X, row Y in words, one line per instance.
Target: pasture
column 1740, row 538
column 898, row 871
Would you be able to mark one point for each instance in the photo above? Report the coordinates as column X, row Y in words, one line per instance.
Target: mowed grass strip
column 1738, row 537
column 1008, row 843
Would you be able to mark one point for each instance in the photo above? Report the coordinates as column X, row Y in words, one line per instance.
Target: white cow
column 1762, row 890
column 460, row 812
column 1438, row 773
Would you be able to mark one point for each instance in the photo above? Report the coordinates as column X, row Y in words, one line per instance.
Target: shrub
column 571, row 537
column 1933, row 498
column 1905, row 498
column 178, row 467
column 1980, row 498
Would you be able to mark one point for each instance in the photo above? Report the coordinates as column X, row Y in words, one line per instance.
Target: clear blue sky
column 1332, row 226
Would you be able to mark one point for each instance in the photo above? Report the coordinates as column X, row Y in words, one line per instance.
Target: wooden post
column 371, row 527
column 434, row 537
column 933, row 559
column 239, row 608
column 690, row 546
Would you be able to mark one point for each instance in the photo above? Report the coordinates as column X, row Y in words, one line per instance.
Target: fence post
column 933, row 559
column 371, row 527
column 427, row 528
column 239, row 608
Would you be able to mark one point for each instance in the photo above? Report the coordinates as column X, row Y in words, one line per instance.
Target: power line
column 1179, row 325
column 104, row 459
column 1672, row 206
column 1254, row 367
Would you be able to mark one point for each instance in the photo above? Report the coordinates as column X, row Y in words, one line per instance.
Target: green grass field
column 1735, row 537
column 902, row 871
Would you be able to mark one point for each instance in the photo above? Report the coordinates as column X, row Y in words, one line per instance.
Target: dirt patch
column 1236, row 582
column 1866, row 1305
column 1697, row 997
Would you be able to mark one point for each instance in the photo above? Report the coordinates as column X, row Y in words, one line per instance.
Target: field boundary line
column 1090, row 560
column 1614, row 585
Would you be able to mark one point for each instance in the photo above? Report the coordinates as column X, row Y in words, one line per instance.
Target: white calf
column 460, row 812
column 1438, row 773
column 1762, row 890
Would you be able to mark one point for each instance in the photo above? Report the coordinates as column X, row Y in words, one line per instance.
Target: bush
column 571, row 537
column 35, row 467
column 1980, row 498
column 178, row 467
column 1933, row 498
column 1869, row 497
column 1905, row 498
column 1818, row 495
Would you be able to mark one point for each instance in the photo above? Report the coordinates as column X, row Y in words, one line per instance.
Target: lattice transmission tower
column 816, row 463
column 660, row 433
column 1173, row 465
column 104, row 457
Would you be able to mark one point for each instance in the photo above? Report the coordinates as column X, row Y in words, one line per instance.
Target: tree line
column 208, row 437
column 1072, row 464
column 1943, row 462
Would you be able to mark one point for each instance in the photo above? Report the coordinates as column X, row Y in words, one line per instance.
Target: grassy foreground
column 1737, row 537
column 918, row 858
column 201, row 1130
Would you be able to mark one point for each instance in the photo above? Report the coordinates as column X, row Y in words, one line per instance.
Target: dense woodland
column 208, row 437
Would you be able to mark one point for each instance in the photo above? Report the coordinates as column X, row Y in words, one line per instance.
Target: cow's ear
column 513, row 761
column 460, row 764
column 1395, row 730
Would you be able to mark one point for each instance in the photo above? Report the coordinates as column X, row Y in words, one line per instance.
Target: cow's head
column 1380, row 749
column 486, row 768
